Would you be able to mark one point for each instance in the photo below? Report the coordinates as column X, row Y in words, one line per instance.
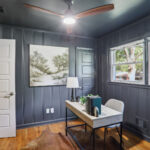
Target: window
column 127, row 63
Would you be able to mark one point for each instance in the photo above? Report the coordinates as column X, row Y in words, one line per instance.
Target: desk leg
column 66, row 122
column 121, row 136
column 93, row 132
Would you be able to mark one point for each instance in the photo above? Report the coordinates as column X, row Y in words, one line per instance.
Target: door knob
column 9, row 95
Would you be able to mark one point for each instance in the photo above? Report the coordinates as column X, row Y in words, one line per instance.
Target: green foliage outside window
column 128, row 62
column 121, row 55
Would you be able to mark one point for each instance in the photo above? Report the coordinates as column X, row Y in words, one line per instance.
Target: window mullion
column 128, row 63
column 146, row 56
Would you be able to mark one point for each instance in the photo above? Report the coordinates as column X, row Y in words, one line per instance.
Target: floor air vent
column 142, row 123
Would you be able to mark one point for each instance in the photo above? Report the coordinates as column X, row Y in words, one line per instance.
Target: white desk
column 108, row 117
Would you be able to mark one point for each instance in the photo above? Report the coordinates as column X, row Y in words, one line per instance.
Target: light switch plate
column 52, row 110
column 47, row 110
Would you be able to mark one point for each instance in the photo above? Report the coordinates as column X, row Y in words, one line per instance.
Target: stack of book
column 93, row 102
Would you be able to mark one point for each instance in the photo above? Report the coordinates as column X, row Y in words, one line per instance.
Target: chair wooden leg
column 105, row 134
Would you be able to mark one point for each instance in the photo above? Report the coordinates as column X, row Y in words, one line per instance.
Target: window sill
column 144, row 86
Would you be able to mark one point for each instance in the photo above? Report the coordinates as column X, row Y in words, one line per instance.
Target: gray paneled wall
column 32, row 102
column 136, row 97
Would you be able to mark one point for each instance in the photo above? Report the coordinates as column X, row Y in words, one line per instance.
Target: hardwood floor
column 24, row 136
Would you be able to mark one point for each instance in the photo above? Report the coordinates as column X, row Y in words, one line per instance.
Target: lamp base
column 72, row 96
column 72, row 100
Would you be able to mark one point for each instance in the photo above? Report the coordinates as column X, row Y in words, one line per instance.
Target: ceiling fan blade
column 43, row 10
column 95, row 11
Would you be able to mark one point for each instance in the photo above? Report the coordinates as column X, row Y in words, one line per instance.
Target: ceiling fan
column 68, row 17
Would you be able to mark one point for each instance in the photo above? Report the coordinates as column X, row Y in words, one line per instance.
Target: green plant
column 84, row 98
column 92, row 95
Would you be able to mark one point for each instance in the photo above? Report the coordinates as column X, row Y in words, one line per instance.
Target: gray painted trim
column 127, row 44
column 146, row 61
column 141, row 135
column 47, row 31
column 118, row 44
column 44, row 122
column 143, row 86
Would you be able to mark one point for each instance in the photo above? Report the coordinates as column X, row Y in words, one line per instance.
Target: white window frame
column 148, row 47
column 112, row 62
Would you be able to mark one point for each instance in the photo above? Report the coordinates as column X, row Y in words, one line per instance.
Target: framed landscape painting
column 49, row 65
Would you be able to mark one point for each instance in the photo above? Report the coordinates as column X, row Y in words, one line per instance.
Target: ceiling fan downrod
column 69, row 3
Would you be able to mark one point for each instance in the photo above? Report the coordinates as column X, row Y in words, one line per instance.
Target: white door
column 7, row 88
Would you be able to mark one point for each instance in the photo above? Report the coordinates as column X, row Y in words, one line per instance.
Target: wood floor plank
column 24, row 136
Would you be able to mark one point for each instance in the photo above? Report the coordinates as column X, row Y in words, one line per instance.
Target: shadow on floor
column 112, row 140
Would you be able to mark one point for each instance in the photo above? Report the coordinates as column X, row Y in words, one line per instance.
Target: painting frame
column 48, row 46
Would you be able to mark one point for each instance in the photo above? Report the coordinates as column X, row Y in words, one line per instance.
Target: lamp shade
column 72, row 82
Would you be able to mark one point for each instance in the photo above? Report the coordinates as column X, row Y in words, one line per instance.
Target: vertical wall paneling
column 135, row 97
column 31, row 102
column 19, row 104
column 28, row 91
column 38, row 93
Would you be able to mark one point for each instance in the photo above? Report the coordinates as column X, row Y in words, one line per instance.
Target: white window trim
column 112, row 63
column 148, row 41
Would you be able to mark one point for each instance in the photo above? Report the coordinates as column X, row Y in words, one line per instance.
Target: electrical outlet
column 52, row 110
column 47, row 110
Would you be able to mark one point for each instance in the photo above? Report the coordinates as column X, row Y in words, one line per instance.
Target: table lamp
column 72, row 82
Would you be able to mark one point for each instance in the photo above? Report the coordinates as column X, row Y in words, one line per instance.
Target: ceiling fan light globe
column 69, row 20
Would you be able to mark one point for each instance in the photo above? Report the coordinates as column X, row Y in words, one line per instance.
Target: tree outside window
column 127, row 63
